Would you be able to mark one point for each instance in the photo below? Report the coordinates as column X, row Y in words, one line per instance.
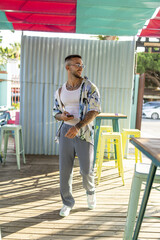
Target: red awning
column 104, row 17
column 38, row 15
column 153, row 27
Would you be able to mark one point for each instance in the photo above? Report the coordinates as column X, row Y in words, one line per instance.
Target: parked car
column 152, row 112
column 153, row 104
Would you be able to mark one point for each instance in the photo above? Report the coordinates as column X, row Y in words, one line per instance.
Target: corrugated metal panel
column 109, row 64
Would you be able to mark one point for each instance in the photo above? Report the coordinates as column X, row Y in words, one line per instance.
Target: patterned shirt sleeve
column 57, row 107
column 93, row 98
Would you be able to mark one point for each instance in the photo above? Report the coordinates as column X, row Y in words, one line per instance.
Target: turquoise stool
column 17, row 131
column 140, row 175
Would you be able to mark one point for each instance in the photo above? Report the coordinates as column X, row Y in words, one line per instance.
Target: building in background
column 10, row 83
column 15, row 88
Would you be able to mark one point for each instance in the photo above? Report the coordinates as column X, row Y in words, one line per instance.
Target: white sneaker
column 91, row 200
column 65, row 211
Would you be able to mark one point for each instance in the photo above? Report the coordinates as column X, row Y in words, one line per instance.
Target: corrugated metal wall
column 109, row 64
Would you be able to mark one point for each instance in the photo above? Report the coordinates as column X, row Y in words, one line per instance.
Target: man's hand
column 65, row 116
column 72, row 132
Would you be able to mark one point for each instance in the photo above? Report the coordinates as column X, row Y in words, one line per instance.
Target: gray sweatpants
column 68, row 148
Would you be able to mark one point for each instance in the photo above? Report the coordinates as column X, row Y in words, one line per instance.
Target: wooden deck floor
column 30, row 204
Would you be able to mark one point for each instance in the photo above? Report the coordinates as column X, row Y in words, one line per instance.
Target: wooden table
column 151, row 148
column 115, row 124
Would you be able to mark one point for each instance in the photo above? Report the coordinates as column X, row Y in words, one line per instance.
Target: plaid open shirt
column 89, row 101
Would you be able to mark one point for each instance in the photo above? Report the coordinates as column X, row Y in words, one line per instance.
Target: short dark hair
column 72, row 56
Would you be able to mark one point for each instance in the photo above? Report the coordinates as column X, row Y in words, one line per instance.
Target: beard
column 76, row 75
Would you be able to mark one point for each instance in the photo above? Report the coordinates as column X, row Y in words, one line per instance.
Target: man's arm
column 89, row 117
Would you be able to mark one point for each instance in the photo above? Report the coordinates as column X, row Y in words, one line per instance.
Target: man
column 77, row 103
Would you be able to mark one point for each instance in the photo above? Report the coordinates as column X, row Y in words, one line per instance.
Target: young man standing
column 77, row 103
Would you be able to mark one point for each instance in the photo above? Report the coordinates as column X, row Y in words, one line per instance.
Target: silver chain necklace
column 69, row 87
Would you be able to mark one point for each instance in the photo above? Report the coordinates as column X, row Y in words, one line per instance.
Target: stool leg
column 6, row 134
column 115, row 153
column 139, row 152
column 22, row 146
column 17, row 148
column 132, row 207
column 136, row 155
column 120, row 159
column 108, row 149
column 136, row 149
column 140, row 156
column 114, row 147
column 98, row 151
column 99, row 170
column 124, row 141
column 98, row 148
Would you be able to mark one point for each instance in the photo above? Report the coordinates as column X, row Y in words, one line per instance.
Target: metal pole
column 140, row 101
column 150, row 180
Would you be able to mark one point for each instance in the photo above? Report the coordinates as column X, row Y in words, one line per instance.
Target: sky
column 11, row 37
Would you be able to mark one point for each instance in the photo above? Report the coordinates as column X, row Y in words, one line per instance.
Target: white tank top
column 70, row 100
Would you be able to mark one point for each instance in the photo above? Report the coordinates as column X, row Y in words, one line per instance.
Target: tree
column 149, row 63
column 10, row 53
column 104, row 37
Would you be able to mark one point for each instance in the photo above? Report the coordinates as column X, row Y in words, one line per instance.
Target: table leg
column 150, row 180
column 115, row 125
column 96, row 135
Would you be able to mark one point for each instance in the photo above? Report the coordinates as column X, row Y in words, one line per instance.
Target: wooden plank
column 114, row 115
column 151, row 44
column 30, row 204
column 150, row 145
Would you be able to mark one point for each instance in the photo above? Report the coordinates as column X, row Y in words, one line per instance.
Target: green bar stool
column 140, row 175
column 17, row 131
